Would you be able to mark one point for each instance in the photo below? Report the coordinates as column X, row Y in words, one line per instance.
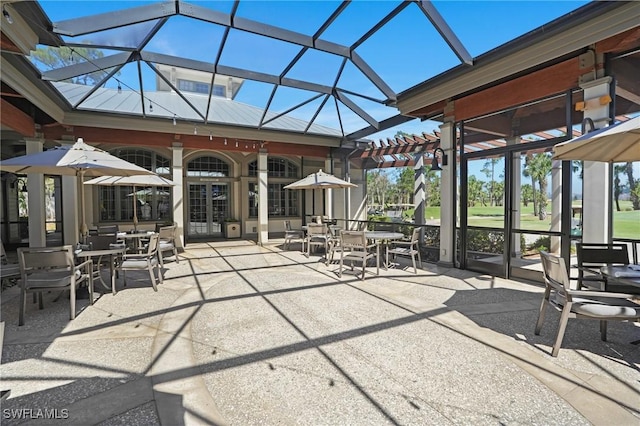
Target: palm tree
column 539, row 168
column 527, row 172
column 633, row 186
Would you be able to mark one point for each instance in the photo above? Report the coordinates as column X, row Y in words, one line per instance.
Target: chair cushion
column 166, row 246
column 138, row 263
column 605, row 307
column 50, row 279
column 407, row 251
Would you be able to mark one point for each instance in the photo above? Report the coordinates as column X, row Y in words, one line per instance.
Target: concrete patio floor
column 240, row 334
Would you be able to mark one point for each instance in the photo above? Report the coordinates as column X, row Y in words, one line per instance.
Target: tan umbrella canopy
column 320, row 180
column 138, row 180
column 79, row 160
column 619, row 143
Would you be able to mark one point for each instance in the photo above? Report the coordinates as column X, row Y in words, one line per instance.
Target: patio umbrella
column 79, row 160
column 619, row 143
column 320, row 180
column 136, row 180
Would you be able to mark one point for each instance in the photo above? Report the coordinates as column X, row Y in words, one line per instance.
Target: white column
column 328, row 193
column 447, row 194
column 178, row 192
column 596, row 194
column 35, row 188
column 70, row 217
column 516, row 195
column 263, row 197
column 556, row 203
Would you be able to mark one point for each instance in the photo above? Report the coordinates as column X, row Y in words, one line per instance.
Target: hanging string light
column 150, row 107
column 174, row 119
column 210, row 136
column 195, row 130
column 119, row 87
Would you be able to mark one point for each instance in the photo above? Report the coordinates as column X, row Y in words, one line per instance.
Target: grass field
column 626, row 223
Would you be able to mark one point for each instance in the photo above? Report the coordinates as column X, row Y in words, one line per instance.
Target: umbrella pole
column 84, row 231
column 135, row 209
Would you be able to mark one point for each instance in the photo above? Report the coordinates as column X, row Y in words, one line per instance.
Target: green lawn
column 626, row 223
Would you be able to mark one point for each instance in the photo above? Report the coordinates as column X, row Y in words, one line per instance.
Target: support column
column 516, row 196
column 556, row 204
column 263, row 198
column 596, row 196
column 70, row 217
column 328, row 193
column 178, row 193
column 448, row 196
column 418, row 190
column 36, row 198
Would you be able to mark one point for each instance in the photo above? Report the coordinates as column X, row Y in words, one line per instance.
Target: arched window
column 277, row 167
column 115, row 203
column 281, row 202
column 207, row 167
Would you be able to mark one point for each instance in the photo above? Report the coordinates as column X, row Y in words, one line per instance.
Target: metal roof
column 222, row 110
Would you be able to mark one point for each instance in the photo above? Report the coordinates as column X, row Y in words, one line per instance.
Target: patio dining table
column 622, row 274
column 383, row 237
column 113, row 254
column 136, row 237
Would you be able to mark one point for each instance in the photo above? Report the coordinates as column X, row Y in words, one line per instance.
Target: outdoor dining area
column 262, row 317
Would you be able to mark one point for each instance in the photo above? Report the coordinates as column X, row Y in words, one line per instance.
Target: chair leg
column 543, row 308
column 603, row 330
column 72, row 301
column 23, row 306
column 175, row 254
column 152, row 277
column 564, row 319
column 413, row 260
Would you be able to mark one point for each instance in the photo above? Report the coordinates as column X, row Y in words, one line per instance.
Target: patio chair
column 292, row 235
column 334, row 243
column 317, row 237
column 8, row 271
column 108, row 230
column 52, row 269
column 407, row 248
column 592, row 256
column 143, row 261
column 354, row 248
column 582, row 304
column 167, row 242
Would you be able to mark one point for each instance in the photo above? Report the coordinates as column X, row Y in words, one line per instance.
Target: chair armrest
column 402, row 243
column 590, row 293
column 134, row 256
column 87, row 265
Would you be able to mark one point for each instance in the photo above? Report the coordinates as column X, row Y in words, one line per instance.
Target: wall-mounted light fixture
column 434, row 161
column 6, row 15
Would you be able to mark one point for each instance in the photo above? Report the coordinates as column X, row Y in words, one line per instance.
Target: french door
column 208, row 206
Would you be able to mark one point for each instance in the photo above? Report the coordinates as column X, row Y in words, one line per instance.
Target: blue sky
column 405, row 52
